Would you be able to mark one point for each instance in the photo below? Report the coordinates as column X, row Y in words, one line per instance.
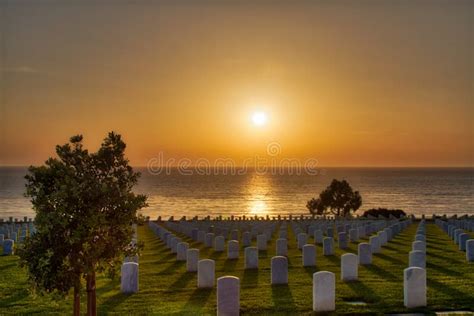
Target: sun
column 259, row 118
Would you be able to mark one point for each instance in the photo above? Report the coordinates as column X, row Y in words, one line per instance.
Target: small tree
column 338, row 199
column 85, row 209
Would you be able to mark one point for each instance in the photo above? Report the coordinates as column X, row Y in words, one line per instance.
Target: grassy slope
column 165, row 287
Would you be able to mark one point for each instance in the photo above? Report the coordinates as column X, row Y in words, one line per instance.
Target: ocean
column 415, row 190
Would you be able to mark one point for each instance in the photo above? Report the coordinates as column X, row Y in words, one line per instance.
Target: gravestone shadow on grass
column 216, row 255
column 230, row 264
column 11, row 265
column 282, row 297
column 364, row 293
column 111, row 302
column 334, row 259
column 183, row 280
column 443, row 270
column 250, row 277
column 167, row 258
column 311, row 270
column 429, row 246
column 197, row 300
column 447, row 289
column 394, row 242
column 18, row 296
column 389, row 258
column 109, row 286
column 172, row 267
column 382, row 273
column 391, row 248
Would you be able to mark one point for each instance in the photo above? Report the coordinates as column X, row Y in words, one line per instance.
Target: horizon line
column 321, row 167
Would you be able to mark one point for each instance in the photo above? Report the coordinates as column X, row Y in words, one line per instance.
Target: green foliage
column 384, row 212
column 85, row 209
column 338, row 199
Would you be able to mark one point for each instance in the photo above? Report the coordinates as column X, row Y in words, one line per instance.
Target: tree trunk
column 91, row 298
column 77, row 300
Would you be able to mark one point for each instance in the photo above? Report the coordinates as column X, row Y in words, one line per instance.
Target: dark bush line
column 384, row 212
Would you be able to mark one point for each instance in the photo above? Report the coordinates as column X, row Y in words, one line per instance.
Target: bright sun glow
column 259, row 118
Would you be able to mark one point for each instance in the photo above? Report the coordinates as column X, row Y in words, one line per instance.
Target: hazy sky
column 350, row 83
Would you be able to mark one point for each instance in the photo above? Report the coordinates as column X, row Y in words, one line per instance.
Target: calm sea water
column 417, row 191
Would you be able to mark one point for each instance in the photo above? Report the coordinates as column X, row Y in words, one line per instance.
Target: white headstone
column 349, row 267
column 209, row 241
column 206, row 273
column 365, row 254
column 457, row 233
column 353, row 235
column 309, row 255
column 328, row 246
column 8, row 247
column 174, row 244
column 420, row 237
column 233, row 249
column 234, row 235
column 219, row 244
column 131, row 259
column 279, row 270
column 281, row 247
column 262, row 242
column 342, row 240
column 318, row 236
column 324, row 291
column 129, row 277
column 470, row 250
column 228, row 296
column 192, row 258
column 201, row 236
column 419, row 245
column 246, row 239
column 182, row 248
column 251, row 258
column 374, row 244
column 302, row 240
column 383, row 237
column 462, row 241
column 417, row 259
column 414, row 287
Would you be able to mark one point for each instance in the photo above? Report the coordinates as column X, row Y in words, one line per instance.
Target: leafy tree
column 338, row 199
column 85, row 209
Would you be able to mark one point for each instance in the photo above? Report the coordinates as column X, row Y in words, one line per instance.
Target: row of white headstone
column 313, row 229
column 12, row 233
column 228, row 287
column 251, row 253
column 414, row 277
column 130, row 269
column 324, row 290
column 456, row 230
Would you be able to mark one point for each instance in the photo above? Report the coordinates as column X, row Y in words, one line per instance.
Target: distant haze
column 349, row 83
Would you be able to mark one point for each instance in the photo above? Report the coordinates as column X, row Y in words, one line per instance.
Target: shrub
column 384, row 212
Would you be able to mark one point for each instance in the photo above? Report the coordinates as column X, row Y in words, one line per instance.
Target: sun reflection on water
column 258, row 191
column 258, row 207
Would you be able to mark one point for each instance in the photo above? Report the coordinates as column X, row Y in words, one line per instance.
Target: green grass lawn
column 166, row 287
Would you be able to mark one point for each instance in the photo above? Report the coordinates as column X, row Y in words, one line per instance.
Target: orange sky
column 377, row 83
